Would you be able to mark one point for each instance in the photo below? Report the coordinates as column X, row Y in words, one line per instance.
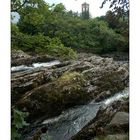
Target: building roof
column 85, row 3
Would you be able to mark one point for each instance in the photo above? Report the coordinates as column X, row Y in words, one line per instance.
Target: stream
column 70, row 122
column 34, row 66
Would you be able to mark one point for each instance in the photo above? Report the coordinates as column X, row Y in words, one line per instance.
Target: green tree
column 59, row 8
column 104, row 33
column 119, row 7
column 32, row 18
column 117, row 4
column 17, row 5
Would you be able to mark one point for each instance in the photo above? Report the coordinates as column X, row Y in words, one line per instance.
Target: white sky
column 75, row 5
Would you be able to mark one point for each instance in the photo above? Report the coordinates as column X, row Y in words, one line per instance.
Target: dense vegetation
column 18, row 123
column 54, row 30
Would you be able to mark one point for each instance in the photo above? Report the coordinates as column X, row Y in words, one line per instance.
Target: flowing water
column 34, row 65
column 73, row 120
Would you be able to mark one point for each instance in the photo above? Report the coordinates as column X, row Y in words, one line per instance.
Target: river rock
column 119, row 123
column 30, row 60
column 51, row 99
column 103, row 77
column 102, row 96
column 99, row 126
column 108, row 78
column 120, row 118
column 21, row 58
column 119, row 56
column 113, row 137
column 17, row 54
column 24, row 81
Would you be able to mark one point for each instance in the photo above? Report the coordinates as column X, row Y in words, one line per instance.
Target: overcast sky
column 75, row 5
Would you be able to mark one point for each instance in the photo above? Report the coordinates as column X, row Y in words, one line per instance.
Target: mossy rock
column 113, row 137
column 107, row 80
column 52, row 98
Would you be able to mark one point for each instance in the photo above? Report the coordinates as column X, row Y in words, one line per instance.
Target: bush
column 88, row 34
column 18, row 123
column 56, row 48
column 104, row 39
column 41, row 44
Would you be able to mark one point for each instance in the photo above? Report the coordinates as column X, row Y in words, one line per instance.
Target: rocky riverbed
column 61, row 92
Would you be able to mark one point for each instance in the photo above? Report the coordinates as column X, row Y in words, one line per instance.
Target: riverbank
column 46, row 92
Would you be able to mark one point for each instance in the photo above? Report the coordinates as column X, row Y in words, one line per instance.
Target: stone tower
column 85, row 7
column 85, row 10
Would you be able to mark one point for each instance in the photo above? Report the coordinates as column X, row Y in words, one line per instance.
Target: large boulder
column 119, row 123
column 52, row 98
column 120, row 118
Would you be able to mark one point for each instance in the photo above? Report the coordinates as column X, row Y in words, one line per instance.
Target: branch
column 20, row 6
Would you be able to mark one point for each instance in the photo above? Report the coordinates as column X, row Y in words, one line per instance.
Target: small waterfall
column 73, row 120
column 118, row 96
column 34, row 66
column 48, row 64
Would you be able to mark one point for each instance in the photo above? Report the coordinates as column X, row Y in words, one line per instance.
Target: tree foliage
column 18, row 122
column 117, row 4
column 40, row 25
column 18, row 5
column 119, row 7
column 40, row 44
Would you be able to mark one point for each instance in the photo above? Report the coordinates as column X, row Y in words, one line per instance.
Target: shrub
column 18, row 122
column 104, row 39
column 41, row 44
column 56, row 48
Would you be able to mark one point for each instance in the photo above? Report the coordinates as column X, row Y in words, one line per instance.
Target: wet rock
column 103, row 95
column 35, row 136
column 119, row 123
column 113, row 137
column 99, row 126
column 120, row 118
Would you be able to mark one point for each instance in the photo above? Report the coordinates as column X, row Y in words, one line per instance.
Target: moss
column 67, row 88
column 110, row 81
column 70, row 77
column 53, row 98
